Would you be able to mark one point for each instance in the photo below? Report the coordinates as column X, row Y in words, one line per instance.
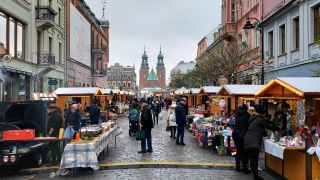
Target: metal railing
column 46, row 58
column 99, row 48
column 98, row 72
column 45, row 13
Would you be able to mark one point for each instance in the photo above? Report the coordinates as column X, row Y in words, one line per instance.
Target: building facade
column 122, row 77
column 33, row 34
column 149, row 78
column 290, row 31
column 87, row 46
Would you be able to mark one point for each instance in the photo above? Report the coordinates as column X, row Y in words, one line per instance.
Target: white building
column 289, row 33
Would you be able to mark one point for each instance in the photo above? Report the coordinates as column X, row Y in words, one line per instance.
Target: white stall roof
column 210, row 89
column 107, row 91
column 304, row 84
column 194, row 90
column 234, row 89
column 181, row 90
column 77, row 90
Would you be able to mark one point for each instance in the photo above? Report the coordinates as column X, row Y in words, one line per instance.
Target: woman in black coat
column 253, row 137
column 240, row 129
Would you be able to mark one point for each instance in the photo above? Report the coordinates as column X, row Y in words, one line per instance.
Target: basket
column 26, row 134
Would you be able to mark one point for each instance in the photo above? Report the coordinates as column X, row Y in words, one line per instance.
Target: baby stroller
column 133, row 120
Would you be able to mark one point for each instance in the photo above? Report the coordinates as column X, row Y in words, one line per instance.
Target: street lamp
column 248, row 25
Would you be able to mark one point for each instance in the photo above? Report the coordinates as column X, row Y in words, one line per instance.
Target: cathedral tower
column 161, row 71
column 144, row 70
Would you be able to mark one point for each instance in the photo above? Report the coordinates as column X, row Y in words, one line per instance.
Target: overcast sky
column 178, row 25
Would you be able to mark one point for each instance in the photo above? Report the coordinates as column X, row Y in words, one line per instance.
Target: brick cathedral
column 149, row 79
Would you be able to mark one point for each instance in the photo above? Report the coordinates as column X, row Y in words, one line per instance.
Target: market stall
column 206, row 92
column 291, row 106
column 82, row 95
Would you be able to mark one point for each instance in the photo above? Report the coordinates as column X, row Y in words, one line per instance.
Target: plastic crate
column 26, row 134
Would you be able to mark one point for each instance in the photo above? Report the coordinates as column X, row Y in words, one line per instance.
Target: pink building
column 234, row 17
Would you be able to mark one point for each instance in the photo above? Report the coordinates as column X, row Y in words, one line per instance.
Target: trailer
column 21, row 115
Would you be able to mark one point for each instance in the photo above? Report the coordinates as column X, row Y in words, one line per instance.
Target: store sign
column 52, row 82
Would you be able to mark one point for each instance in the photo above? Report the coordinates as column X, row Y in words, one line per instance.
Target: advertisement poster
column 80, row 37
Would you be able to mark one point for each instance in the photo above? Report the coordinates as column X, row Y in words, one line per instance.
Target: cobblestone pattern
column 151, row 173
column 164, row 147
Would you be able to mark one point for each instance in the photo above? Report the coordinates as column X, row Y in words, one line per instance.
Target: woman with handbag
column 172, row 124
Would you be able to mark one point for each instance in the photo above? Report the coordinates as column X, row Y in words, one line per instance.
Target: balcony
column 229, row 30
column 45, row 17
column 99, row 49
column 98, row 73
column 46, row 59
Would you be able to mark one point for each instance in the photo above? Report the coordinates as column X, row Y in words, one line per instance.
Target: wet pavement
column 167, row 161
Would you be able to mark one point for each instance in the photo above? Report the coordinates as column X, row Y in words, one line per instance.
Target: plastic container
column 77, row 136
column 26, row 134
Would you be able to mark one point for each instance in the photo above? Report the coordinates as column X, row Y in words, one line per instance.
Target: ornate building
column 122, row 77
column 152, row 79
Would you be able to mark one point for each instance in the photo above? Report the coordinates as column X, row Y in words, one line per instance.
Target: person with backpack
column 134, row 111
column 155, row 106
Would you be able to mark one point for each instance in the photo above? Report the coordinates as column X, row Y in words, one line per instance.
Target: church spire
column 160, row 63
column 104, row 22
column 144, row 63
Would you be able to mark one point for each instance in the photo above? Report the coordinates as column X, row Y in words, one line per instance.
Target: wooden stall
column 207, row 92
column 182, row 92
column 296, row 162
column 237, row 93
column 82, row 95
column 194, row 96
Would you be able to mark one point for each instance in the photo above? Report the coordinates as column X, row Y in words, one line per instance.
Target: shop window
column 317, row 22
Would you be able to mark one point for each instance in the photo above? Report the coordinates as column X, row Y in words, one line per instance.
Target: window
column 11, row 36
column 283, row 39
column 257, row 36
column 317, row 22
column 296, row 38
column 50, row 3
column 240, row 10
column 124, row 84
column 119, row 84
column 128, row 77
column 233, row 13
column 60, row 52
column 271, row 43
column 128, row 84
column 59, row 21
column 108, row 77
column 113, row 84
column 50, row 45
column 114, row 77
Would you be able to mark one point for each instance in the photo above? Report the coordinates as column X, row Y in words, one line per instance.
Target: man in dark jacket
column 253, row 137
column 94, row 113
column 53, row 127
column 181, row 120
column 146, row 125
column 73, row 118
column 239, row 131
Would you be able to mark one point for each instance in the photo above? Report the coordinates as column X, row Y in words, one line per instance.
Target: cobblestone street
column 167, row 161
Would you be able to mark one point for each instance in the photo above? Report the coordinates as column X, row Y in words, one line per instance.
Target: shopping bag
column 140, row 135
column 69, row 133
column 61, row 133
column 173, row 117
column 168, row 128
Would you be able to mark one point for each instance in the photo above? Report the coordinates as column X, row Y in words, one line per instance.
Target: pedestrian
column 53, row 127
column 73, row 118
column 172, row 124
column 94, row 113
column 155, row 106
column 146, row 125
column 134, row 105
column 79, row 110
column 181, row 121
column 239, row 131
column 253, row 137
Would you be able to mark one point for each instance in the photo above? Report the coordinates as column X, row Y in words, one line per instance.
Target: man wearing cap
column 181, row 120
column 94, row 113
column 53, row 126
column 146, row 125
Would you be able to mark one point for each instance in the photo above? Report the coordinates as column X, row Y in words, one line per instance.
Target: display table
column 85, row 153
column 288, row 162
